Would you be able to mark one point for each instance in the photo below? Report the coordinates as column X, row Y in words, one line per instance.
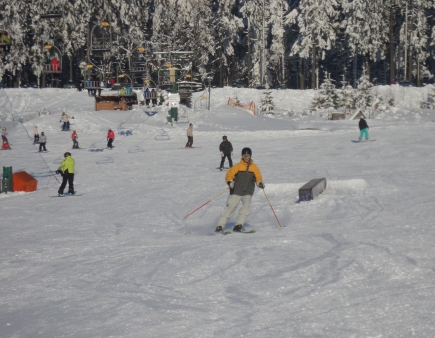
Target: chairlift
column 55, row 64
column 101, row 38
column 5, row 39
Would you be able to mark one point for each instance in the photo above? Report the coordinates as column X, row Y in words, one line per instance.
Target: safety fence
column 249, row 106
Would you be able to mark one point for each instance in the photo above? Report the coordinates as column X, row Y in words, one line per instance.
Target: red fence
column 249, row 106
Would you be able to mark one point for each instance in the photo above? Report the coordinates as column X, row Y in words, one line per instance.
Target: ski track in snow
column 120, row 261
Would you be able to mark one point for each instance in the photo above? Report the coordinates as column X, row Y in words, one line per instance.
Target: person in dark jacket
column 364, row 129
column 241, row 179
column 226, row 149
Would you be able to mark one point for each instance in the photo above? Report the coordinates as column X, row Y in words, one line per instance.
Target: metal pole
column 209, row 91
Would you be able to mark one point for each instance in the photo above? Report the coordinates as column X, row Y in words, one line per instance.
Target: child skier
column 74, row 138
column 110, row 138
column 5, row 146
column 4, row 134
column 35, row 135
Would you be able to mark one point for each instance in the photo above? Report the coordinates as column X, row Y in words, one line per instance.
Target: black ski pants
column 75, row 144
column 109, row 143
column 67, row 178
column 42, row 146
column 189, row 141
column 229, row 160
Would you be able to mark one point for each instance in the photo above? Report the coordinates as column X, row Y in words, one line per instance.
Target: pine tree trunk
column 221, row 66
column 249, row 57
column 409, row 64
column 367, row 66
column 313, row 67
column 392, row 61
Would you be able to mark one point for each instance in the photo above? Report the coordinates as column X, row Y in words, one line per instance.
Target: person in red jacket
column 110, row 138
column 55, row 64
column 74, row 138
column 5, row 146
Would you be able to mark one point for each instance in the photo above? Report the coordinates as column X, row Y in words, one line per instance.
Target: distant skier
column 147, row 95
column 74, row 138
column 153, row 96
column 364, row 129
column 66, row 169
column 4, row 135
column 110, row 138
column 241, row 179
column 65, row 120
column 189, row 136
column 226, row 149
column 5, row 146
column 42, row 142
column 35, row 135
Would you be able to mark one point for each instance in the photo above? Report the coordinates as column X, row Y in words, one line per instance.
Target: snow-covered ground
column 119, row 261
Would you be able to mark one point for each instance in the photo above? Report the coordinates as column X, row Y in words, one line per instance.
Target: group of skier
column 242, row 178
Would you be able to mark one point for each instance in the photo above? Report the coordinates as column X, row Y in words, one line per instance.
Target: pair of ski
column 228, row 232
column 68, row 195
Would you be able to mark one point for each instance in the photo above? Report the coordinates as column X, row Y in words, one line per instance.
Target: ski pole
column 280, row 226
column 211, row 199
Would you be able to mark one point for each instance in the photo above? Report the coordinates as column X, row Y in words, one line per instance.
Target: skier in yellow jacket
column 241, row 178
column 66, row 168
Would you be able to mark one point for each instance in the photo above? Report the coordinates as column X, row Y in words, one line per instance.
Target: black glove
column 58, row 172
column 261, row 185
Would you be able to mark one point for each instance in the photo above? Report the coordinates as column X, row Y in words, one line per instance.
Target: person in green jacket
column 66, row 169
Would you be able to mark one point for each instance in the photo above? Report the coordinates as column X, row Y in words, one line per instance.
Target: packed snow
column 120, row 261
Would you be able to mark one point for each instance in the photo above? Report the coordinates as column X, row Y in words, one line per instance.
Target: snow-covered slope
column 119, row 261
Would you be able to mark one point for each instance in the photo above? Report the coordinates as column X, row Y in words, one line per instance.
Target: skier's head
column 36, row 126
column 67, row 154
column 191, row 125
column 110, row 129
column 42, row 133
column 74, row 131
column 4, row 128
column 246, row 153
column 224, row 138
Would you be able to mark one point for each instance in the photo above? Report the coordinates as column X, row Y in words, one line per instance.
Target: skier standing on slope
column 241, row 179
column 42, row 142
column 226, row 149
column 65, row 120
column 66, row 169
column 110, row 138
column 4, row 135
column 35, row 135
column 189, row 136
column 364, row 129
column 74, row 138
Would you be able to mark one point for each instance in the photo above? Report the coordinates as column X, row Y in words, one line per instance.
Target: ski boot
column 219, row 229
column 238, row 228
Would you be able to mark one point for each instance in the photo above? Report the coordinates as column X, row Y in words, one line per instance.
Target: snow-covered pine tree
column 267, row 105
column 226, row 26
column 318, row 22
column 327, row 96
column 277, row 49
column 364, row 95
column 346, row 98
column 366, row 28
column 256, row 12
